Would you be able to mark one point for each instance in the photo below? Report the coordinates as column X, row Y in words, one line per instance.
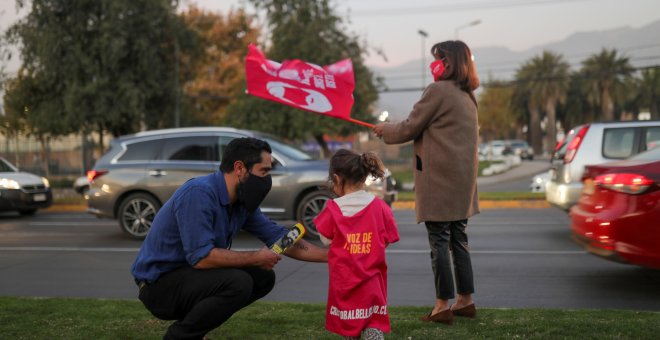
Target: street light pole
column 424, row 35
column 473, row 23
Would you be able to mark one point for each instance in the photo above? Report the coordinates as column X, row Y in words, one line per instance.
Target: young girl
column 357, row 226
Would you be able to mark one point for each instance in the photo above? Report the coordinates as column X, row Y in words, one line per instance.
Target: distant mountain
column 641, row 45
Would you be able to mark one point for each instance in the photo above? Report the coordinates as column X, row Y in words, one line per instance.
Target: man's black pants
column 201, row 300
column 443, row 237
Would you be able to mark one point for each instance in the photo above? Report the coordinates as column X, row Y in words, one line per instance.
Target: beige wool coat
column 443, row 125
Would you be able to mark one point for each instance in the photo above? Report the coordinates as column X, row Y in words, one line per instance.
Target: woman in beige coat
column 443, row 125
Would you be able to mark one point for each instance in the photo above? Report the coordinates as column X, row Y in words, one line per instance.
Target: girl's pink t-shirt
column 357, row 296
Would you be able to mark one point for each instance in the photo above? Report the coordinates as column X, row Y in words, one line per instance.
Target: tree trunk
column 535, row 130
column 325, row 151
column 654, row 109
column 101, row 143
column 551, row 128
column 608, row 106
column 45, row 163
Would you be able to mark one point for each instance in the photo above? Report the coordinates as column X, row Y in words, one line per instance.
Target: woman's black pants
column 448, row 240
column 201, row 300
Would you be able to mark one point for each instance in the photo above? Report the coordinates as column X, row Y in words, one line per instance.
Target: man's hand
column 224, row 258
column 266, row 258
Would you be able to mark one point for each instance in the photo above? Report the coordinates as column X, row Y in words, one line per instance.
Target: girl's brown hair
column 459, row 67
column 354, row 168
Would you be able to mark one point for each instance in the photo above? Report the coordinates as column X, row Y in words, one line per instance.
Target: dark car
column 618, row 214
column 141, row 171
column 22, row 191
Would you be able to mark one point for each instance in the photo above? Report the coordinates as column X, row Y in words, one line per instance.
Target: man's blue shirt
column 196, row 219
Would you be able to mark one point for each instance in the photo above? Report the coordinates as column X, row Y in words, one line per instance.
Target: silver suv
column 594, row 143
column 141, row 171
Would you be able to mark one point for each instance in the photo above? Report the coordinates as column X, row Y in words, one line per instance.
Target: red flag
column 327, row 90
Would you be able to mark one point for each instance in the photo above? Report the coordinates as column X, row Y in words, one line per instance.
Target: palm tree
column 546, row 80
column 649, row 88
column 605, row 77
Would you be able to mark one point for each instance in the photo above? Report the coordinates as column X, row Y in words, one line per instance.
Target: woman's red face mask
column 437, row 68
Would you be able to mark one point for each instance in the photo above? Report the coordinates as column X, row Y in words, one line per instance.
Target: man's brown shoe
column 446, row 317
column 469, row 311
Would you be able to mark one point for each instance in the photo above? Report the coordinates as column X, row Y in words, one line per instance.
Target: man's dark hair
column 247, row 150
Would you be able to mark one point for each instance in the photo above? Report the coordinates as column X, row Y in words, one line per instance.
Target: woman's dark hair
column 247, row 150
column 354, row 168
column 459, row 67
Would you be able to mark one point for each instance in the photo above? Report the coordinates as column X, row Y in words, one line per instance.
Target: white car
column 22, row 191
column 592, row 144
column 539, row 182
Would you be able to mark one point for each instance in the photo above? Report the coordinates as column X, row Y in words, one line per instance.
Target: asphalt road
column 521, row 259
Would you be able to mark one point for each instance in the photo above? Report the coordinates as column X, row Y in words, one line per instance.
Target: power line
column 456, row 7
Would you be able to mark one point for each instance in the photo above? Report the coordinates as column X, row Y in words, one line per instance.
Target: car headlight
column 538, row 180
column 7, row 183
column 46, row 183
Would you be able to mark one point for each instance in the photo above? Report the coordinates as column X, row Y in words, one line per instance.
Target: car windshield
column 6, row 167
column 649, row 155
column 288, row 150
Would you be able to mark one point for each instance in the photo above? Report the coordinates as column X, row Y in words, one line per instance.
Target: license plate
column 589, row 186
column 39, row 197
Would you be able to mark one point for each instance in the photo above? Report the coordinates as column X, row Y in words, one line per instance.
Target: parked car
column 22, row 191
column 592, row 144
column 497, row 148
column 618, row 214
column 141, row 171
column 521, row 149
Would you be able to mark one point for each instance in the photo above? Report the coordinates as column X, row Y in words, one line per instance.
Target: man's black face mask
column 253, row 190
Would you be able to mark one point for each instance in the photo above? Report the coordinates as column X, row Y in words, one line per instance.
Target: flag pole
column 359, row 122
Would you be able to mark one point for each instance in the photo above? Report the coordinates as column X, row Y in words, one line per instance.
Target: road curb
column 66, row 208
column 489, row 204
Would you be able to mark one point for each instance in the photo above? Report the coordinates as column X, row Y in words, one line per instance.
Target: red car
column 618, row 214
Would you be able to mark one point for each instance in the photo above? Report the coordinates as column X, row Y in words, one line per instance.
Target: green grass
column 60, row 318
column 486, row 196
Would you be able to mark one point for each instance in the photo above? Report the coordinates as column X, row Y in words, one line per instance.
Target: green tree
column 649, row 89
column 106, row 65
column 605, row 79
column 311, row 31
column 497, row 119
column 578, row 108
column 523, row 95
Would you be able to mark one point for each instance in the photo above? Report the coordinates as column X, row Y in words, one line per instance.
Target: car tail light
column 94, row 174
column 574, row 144
column 626, row 183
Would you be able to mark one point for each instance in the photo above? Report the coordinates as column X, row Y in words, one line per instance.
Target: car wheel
column 27, row 212
column 309, row 207
column 136, row 213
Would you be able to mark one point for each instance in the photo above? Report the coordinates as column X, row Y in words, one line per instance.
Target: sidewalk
column 527, row 169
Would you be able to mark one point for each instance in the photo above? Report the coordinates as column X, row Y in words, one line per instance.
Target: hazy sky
column 392, row 25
